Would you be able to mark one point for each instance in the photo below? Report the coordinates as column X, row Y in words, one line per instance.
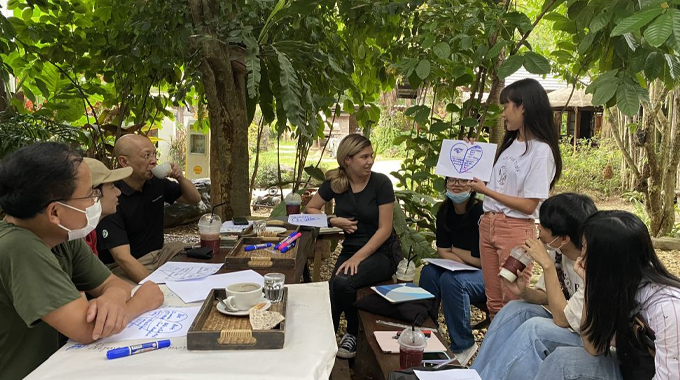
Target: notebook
column 397, row 293
column 390, row 345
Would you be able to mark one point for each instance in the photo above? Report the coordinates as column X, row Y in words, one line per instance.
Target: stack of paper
column 198, row 290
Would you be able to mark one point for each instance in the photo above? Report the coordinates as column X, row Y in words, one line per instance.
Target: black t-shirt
column 463, row 231
column 138, row 220
column 363, row 206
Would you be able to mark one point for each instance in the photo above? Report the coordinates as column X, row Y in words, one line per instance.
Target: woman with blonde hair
column 363, row 208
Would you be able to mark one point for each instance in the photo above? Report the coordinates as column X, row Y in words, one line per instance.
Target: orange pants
column 498, row 234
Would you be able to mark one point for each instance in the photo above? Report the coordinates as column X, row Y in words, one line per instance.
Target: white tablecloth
column 308, row 353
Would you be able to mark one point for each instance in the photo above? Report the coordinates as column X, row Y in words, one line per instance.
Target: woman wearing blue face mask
column 457, row 240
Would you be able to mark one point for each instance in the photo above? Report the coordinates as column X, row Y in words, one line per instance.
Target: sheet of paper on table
column 309, row 220
column 449, row 374
column 179, row 271
column 459, row 159
column 197, row 290
column 163, row 323
column 230, row 227
column 450, row 264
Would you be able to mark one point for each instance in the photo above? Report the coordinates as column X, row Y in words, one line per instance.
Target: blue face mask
column 458, row 197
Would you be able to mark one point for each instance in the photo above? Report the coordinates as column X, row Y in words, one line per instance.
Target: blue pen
column 285, row 240
column 288, row 247
column 136, row 349
column 257, row 246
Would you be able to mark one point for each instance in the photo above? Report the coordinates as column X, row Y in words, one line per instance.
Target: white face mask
column 549, row 248
column 93, row 213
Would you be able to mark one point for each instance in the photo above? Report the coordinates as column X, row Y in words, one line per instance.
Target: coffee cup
column 243, row 295
column 161, row 171
column 516, row 262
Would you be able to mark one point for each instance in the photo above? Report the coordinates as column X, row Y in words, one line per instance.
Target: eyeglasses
column 96, row 195
column 148, row 156
column 456, row 181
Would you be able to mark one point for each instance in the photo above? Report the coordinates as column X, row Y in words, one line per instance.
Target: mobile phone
column 435, row 357
column 204, row 253
column 240, row 221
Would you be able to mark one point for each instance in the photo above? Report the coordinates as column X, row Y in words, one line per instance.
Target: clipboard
column 389, row 345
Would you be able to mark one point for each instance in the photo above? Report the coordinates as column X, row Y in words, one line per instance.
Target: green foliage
column 585, row 170
column 19, row 130
column 391, row 125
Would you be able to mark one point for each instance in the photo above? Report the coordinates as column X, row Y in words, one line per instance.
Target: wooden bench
column 370, row 362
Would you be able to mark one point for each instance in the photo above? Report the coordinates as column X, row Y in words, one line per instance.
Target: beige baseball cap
column 102, row 174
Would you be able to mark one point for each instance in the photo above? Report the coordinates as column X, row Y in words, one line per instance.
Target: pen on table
column 295, row 237
column 257, row 246
column 288, row 247
column 278, row 245
column 136, row 349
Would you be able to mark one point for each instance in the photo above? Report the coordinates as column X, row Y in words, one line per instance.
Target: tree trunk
column 498, row 130
column 662, row 156
column 224, row 88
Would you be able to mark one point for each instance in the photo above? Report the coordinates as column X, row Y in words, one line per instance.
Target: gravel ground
column 189, row 233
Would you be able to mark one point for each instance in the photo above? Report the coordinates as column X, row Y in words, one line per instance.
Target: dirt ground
column 189, row 233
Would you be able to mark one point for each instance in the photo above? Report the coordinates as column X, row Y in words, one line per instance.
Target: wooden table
column 306, row 245
column 318, row 251
column 370, row 361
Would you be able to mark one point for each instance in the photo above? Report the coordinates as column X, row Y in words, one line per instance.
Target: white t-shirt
column 524, row 173
column 574, row 284
column 660, row 308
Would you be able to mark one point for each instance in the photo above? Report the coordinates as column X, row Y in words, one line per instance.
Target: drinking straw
column 212, row 212
column 410, row 257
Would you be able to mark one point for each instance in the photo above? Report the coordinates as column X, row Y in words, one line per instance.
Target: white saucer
column 275, row 230
column 241, row 313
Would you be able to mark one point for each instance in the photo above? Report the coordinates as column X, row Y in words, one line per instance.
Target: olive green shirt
column 34, row 281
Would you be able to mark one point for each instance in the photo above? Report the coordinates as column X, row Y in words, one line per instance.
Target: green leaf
column 253, row 66
column 428, row 41
column 601, row 79
column 600, row 21
column 636, row 21
column 627, row 99
column 361, row 51
column 422, row 116
column 452, row 107
column 439, row 126
column 536, row 63
column 676, row 23
column 315, row 173
column 658, row 32
column 348, row 106
column 431, row 161
column 673, row 65
column 654, row 66
column 442, row 50
column 400, row 139
column 605, row 91
column 511, row 64
column 495, row 50
column 290, row 89
column 423, row 69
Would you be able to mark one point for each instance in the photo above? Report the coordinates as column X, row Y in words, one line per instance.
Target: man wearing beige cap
column 103, row 179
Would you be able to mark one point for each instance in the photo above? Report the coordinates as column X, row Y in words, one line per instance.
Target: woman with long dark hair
column 364, row 203
column 623, row 279
column 527, row 165
column 457, row 240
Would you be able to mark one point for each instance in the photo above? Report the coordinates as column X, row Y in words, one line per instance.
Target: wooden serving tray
column 240, row 259
column 213, row 330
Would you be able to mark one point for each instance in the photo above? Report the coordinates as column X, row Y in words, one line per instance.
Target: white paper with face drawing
column 459, row 159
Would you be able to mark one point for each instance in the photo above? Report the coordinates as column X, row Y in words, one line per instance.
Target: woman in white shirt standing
column 623, row 278
column 528, row 163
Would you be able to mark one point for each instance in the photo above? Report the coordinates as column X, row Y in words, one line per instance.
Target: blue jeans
column 572, row 363
column 456, row 290
column 520, row 337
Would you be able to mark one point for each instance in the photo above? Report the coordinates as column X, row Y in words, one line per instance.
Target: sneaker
column 348, row 347
column 464, row 356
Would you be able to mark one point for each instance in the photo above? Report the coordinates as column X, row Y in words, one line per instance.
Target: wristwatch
column 328, row 220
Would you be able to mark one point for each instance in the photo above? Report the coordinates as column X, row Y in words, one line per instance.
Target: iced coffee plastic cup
column 412, row 344
column 209, row 231
column 293, row 201
column 516, row 262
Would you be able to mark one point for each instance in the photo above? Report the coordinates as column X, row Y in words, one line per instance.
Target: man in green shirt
column 46, row 192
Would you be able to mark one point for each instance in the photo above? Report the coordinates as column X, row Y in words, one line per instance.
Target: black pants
column 343, row 288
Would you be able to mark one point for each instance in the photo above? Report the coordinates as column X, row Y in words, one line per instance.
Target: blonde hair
column 349, row 146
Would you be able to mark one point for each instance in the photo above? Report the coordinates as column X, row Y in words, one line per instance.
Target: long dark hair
column 619, row 256
column 447, row 208
column 538, row 118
